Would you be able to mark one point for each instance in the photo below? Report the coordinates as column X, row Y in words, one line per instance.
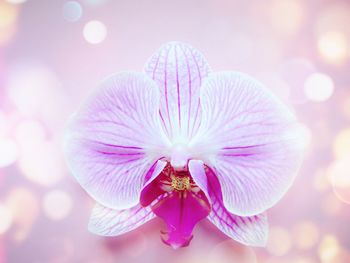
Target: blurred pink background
column 53, row 53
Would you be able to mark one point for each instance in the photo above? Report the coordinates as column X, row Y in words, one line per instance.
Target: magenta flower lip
column 184, row 144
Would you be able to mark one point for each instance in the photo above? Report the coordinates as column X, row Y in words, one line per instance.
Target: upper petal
column 179, row 70
column 115, row 138
column 252, row 142
column 105, row 221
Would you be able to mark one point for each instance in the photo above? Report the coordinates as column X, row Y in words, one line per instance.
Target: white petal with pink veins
column 105, row 221
column 179, row 70
column 115, row 138
column 250, row 139
column 247, row 230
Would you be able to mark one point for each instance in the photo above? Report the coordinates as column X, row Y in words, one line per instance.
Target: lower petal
column 105, row 221
column 250, row 230
column 246, row 230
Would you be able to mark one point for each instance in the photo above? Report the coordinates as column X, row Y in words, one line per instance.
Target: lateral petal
column 250, row 139
column 115, row 138
column 252, row 230
column 105, row 221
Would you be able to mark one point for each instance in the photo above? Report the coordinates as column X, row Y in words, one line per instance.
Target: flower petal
column 105, row 221
column 178, row 69
column 251, row 140
column 115, row 138
column 247, row 230
column 252, row 231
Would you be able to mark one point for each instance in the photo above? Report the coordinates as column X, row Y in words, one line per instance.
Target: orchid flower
column 184, row 144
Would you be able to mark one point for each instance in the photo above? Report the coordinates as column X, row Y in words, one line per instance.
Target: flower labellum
column 184, row 144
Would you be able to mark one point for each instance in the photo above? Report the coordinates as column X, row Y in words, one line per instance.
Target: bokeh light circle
column 279, row 242
column 340, row 178
column 287, row 16
column 5, row 218
column 57, row 205
column 28, row 133
column 95, row 32
column 4, row 124
column 8, row 19
column 45, row 165
column 8, row 15
column 24, row 206
column 341, row 145
column 34, row 89
column 294, row 72
column 8, row 152
column 334, row 47
column 331, row 205
column 72, row 11
column 318, row 87
column 16, row 1
column 306, row 235
column 328, row 249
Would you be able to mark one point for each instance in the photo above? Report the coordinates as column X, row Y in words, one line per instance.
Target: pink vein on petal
column 189, row 88
column 166, row 88
column 200, row 83
column 178, row 87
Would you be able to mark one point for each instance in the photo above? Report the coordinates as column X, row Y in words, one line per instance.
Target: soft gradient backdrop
column 53, row 53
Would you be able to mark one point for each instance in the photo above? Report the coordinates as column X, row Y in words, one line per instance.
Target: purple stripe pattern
column 178, row 69
column 255, row 142
column 109, row 137
column 105, row 221
column 246, row 230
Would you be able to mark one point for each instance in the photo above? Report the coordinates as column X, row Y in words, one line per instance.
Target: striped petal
column 105, row 221
column 179, row 70
column 250, row 231
column 250, row 139
column 115, row 138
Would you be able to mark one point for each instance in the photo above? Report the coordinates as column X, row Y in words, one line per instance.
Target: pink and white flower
column 182, row 143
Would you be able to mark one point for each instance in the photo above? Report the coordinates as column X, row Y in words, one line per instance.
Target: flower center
column 180, row 183
column 179, row 157
column 174, row 197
